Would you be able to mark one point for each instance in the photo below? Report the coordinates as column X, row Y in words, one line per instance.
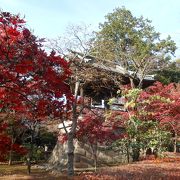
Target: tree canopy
column 132, row 42
column 170, row 73
column 31, row 81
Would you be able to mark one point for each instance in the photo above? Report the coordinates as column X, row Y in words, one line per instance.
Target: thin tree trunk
column 175, row 143
column 30, row 154
column 10, row 157
column 127, row 151
column 140, row 84
column 132, row 82
column 10, row 152
column 11, row 148
column 28, row 164
column 95, row 159
column 95, row 162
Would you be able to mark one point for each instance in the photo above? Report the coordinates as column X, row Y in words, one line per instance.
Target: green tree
column 169, row 74
column 132, row 43
column 144, row 131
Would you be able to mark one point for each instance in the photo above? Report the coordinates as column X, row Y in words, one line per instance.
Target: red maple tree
column 31, row 81
column 159, row 104
column 162, row 102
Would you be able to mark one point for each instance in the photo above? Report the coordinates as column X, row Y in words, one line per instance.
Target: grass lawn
column 16, row 172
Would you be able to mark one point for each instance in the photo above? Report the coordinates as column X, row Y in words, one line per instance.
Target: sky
column 50, row 18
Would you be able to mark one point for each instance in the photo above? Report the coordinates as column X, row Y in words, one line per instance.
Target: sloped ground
column 146, row 170
column 156, row 169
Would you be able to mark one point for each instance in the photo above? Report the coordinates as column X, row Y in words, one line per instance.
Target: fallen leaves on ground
column 165, row 169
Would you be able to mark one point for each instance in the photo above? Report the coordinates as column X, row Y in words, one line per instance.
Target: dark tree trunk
column 136, row 154
column 28, row 164
column 30, row 154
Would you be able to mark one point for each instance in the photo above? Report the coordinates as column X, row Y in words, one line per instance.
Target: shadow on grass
column 17, row 172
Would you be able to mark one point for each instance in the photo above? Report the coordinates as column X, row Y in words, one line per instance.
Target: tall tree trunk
column 94, row 152
column 71, row 134
column 70, row 154
column 70, row 145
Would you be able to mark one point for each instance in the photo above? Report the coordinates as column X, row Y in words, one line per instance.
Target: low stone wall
column 83, row 156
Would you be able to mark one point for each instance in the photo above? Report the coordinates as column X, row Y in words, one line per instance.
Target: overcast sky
column 49, row 18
